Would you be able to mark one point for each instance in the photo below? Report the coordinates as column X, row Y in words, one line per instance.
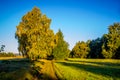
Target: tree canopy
column 95, row 48
column 111, row 43
column 61, row 50
column 34, row 35
column 80, row 50
column 108, row 46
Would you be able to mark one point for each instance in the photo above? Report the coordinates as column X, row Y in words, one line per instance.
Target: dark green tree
column 95, row 48
column 61, row 50
column 2, row 48
column 117, row 54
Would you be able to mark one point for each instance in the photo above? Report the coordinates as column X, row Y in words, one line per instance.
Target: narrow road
column 48, row 71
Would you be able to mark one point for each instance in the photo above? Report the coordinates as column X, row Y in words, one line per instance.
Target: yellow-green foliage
column 34, row 35
column 9, row 54
column 61, row 50
column 88, row 69
column 111, row 45
column 81, row 50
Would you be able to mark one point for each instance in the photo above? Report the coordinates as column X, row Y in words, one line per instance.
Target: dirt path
column 48, row 71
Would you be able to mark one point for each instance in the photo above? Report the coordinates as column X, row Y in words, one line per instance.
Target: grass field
column 88, row 69
column 18, row 68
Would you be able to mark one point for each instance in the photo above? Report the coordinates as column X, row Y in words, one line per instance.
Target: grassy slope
column 88, row 69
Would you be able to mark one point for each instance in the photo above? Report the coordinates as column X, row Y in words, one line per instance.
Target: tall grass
column 19, row 69
column 88, row 69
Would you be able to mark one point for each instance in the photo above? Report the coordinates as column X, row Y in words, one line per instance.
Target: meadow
column 19, row 68
column 88, row 69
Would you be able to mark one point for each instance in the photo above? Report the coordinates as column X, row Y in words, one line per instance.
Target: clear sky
column 78, row 19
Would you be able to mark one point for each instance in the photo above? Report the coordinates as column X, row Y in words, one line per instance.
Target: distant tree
column 34, row 35
column 80, row 50
column 95, row 48
column 110, row 47
column 2, row 48
column 9, row 54
column 61, row 50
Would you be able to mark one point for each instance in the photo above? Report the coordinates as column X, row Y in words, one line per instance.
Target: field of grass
column 71, row 69
column 88, row 69
column 17, row 68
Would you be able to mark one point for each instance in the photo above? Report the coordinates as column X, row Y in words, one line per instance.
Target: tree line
column 9, row 54
column 108, row 46
column 36, row 40
column 5, row 54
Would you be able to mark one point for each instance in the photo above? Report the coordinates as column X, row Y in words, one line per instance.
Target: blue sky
column 78, row 19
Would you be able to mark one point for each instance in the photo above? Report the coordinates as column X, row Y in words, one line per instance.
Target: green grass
column 88, row 69
column 19, row 69
column 71, row 69
column 23, row 69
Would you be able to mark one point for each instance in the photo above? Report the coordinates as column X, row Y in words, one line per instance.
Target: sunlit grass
column 47, row 70
column 95, row 60
column 71, row 69
column 5, row 58
column 88, row 69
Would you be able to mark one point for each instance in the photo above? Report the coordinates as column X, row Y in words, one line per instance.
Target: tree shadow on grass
column 111, row 72
column 18, row 69
column 10, row 65
column 22, row 69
